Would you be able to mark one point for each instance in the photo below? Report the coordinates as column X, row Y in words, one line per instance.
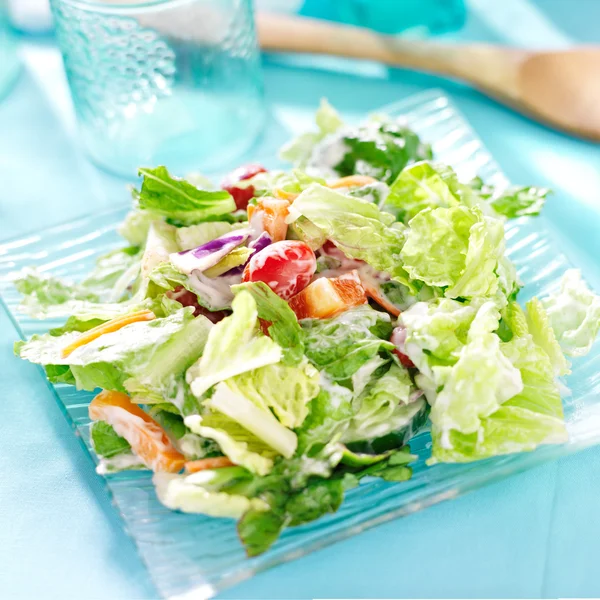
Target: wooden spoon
column 560, row 88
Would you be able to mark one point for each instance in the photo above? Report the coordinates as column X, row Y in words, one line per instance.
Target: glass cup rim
column 127, row 6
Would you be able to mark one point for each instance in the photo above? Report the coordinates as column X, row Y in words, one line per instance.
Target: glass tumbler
column 173, row 82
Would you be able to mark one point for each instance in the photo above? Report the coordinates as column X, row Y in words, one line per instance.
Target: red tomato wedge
column 241, row 195
column 147, row 438
column 326, row 298
column 204, row 464
column 286, row 267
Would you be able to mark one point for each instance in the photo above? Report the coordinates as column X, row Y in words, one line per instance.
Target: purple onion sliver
column 208, row 255
column 260, row 243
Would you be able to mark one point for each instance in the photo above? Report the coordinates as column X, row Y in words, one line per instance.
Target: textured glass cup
column 174, row 82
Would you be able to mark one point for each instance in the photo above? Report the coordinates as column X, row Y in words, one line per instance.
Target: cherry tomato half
column 286, row 267
column 240, row 195
column 398, row 338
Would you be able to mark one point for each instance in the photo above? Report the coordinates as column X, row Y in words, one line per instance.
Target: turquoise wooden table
column 535, row 535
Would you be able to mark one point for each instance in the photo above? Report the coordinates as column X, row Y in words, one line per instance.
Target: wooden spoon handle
column 493, row 68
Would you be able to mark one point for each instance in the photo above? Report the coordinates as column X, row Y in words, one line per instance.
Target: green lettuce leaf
column 110, row 360
column 191, row 494
column 386, row 405
column 180, row 201
column 300, row 150
column 543, row 335
column 358, row 228
column 328, row 417
column 293, row 182
column 380, row 148
column 520, row 201
column 105, row 440
column 235, row 345
column 480, row 381
column 341, row 345
column 256, row 418
column 574, row 314
column 136, row 225
column 160, row 243
column 284, row 328
column 235, row 441
column 420, row 186
column 455, row 248
column 283, row 389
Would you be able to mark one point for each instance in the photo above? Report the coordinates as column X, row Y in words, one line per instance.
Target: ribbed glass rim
column 125, row 7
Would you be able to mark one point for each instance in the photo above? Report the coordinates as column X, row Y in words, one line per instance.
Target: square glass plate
column 196, row 556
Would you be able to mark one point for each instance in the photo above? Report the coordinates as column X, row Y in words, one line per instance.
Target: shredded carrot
column 146, row 437
column 279, row 193
column 352, row 181
column 108, row 327
column 373, row 293
column 194, row 466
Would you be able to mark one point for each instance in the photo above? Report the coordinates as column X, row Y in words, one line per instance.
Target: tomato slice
column 147, row 438
column 241, row 195
column 286, row 267
column 326, row 298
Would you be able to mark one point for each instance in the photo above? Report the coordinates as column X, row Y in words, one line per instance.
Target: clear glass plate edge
column 416, row 108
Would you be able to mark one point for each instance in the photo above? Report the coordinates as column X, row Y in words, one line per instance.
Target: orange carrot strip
column 352, row 181
column 147, row 438
column 194, row 466
column 373, row 293
column 108, row 327
column 279, row 193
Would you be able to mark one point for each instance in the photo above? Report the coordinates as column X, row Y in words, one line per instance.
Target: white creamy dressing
column 327, row 154
column 120, row 462
column 215, row 292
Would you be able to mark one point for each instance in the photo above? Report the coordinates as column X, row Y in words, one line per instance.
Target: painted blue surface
column 534, row 535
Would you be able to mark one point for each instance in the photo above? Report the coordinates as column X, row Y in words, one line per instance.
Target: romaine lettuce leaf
column 455, row 248
column 299, row 150
column 235, row 345
column 257, row 419
column 106, row 441
column 111, row 359
column 480, row 381
column 420, row 186
column 188, row 494
column 358, row 228
column 136, row 225
column 328, row 417
column 235, row 441
column 180, row 201
column 283, row 327
column 574, row 314
column 283, row 389
column 160, row 243
column 341, row 345
column 386, row 405
column 543, row 335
